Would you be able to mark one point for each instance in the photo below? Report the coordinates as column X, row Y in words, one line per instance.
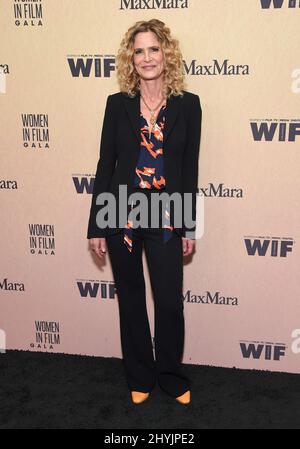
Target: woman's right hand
column 98, row 246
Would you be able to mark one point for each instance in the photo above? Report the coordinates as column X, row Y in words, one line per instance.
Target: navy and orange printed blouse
column 149, row 172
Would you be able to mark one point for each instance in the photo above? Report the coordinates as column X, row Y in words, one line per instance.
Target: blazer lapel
column 171, row 115
column 132, row 106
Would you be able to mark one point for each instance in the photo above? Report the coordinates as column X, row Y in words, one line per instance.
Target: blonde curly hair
column 128, row 78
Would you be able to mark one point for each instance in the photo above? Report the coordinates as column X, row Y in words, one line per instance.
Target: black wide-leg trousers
column 165, row 263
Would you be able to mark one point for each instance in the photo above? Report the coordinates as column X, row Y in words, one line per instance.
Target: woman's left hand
column 188, row 246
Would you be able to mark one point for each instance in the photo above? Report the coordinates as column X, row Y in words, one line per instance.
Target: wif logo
column 100, row 66
column 266, row 4
column 262, row 350
column 281, row 130
column 83, row 183
column 96, row 289
column 273, row 246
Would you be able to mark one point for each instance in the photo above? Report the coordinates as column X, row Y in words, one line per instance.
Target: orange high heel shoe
column 138, row 397
column 185, row 398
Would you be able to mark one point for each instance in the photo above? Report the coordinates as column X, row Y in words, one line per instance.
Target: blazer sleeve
column 105, row 167
column 191, row 160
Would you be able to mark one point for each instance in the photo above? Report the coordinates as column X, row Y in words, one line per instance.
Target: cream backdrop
column 241, row 301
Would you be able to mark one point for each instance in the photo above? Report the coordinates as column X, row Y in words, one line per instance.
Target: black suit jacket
column 120, row 148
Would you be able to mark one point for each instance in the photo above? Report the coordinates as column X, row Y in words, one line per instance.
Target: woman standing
column 150, row 143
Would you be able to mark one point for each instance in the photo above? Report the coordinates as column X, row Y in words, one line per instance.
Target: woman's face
column 148, row 56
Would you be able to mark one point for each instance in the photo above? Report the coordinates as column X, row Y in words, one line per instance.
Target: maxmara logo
column 216, row 68
column 220, row 191
column 101, row 66
column 268, row 246
column 266, row 4
column 95, row 289
column 8, row 184
column 28, row 13
column 5, row 284
column 210, row 298
column 281, row 130
column 262, row 350
column 153, row 4
column 4, row 70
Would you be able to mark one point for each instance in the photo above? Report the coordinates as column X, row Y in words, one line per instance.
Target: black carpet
column 60, row 391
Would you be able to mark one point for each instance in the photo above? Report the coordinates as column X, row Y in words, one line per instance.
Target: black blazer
column 120, row 148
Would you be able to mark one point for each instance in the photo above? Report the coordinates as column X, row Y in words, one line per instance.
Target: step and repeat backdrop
column 241, row 287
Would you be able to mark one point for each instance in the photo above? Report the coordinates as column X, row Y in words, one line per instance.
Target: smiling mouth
column 149, row 67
